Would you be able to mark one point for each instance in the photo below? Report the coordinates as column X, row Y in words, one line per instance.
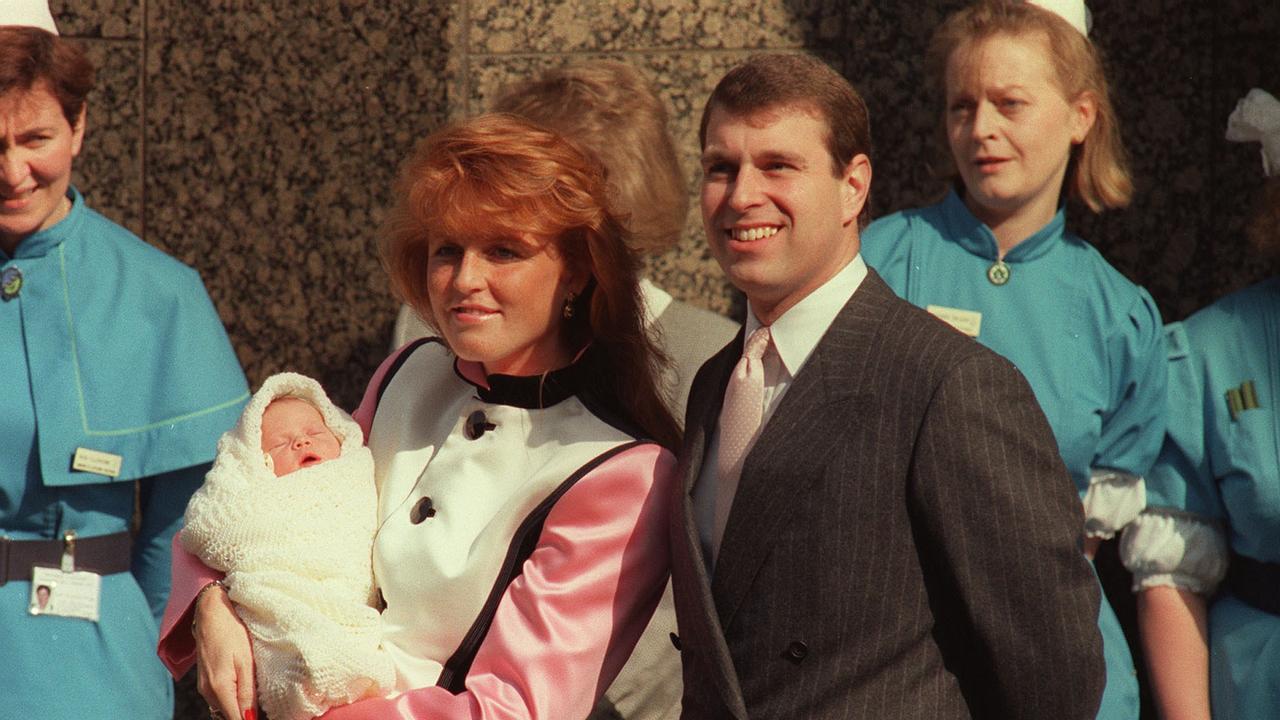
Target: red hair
column 501, row 176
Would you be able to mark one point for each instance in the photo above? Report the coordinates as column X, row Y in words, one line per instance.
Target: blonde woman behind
column 1028, row 121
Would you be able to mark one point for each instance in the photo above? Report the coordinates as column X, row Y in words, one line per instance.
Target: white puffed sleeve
column 1169, row 547
column 1114, row 499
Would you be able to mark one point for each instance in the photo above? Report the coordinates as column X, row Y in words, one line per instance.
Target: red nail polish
column 251, row 714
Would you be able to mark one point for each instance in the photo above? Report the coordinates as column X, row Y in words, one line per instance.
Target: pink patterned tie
column 739, row 424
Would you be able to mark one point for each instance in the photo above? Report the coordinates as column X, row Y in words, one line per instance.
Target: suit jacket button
column 675, row 640
column 796, row 651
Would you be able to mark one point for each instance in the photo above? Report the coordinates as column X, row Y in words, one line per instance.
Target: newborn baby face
column 295, row 436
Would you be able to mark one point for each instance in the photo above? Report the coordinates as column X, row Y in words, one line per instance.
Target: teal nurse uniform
column 1087, row 339
column 110, row 346
column 1214, row 493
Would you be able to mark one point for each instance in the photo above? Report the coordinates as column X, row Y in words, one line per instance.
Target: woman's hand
column 224, row 655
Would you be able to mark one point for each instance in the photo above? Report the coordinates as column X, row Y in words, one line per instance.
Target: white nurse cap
column 1073, row 11
column 1257, row 119
column 27, row 13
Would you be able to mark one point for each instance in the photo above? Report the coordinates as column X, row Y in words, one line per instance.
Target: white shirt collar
column 798, row 331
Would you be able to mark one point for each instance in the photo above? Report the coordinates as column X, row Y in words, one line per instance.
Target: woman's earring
column 567, row 310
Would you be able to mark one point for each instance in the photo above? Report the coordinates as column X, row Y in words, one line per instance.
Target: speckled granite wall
column 257, row 140
column 1179, row 69
column 110, row 168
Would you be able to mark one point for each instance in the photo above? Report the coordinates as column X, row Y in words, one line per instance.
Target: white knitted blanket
column 297, row 554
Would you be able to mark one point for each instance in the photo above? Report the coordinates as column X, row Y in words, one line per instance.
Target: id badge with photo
column 65, row 594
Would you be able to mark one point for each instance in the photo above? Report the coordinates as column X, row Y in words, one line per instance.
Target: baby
column 289, row 512
column 294, row 436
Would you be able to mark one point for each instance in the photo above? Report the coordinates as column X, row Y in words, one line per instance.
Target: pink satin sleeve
column 564, row 628
column 188, row 576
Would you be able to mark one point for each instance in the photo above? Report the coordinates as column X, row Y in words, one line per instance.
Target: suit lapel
column 688, row 561
column 793, row 448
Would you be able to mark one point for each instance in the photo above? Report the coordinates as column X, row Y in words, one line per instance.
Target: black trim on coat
column 523, row 542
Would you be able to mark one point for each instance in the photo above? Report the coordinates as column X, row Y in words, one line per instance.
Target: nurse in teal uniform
column 117, row 380
column 1028, row 120
column 1213, row 516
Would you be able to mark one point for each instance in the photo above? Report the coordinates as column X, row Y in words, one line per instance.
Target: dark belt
column 1255, row 582
column 103, row 554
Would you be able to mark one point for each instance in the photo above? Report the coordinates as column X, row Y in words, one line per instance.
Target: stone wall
column 256, row 139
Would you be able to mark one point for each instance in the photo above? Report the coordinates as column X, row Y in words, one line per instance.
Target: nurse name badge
column 10, row 283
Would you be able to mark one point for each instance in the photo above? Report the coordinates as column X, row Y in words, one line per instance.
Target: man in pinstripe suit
column 901, row 539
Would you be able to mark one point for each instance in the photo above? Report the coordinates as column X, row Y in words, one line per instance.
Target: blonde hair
column 1098, row 174
column 611, row 111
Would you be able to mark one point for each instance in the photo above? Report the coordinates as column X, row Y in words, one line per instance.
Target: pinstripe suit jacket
column 904, row 542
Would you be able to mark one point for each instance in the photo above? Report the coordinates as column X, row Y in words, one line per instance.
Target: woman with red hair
column 521, row 455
